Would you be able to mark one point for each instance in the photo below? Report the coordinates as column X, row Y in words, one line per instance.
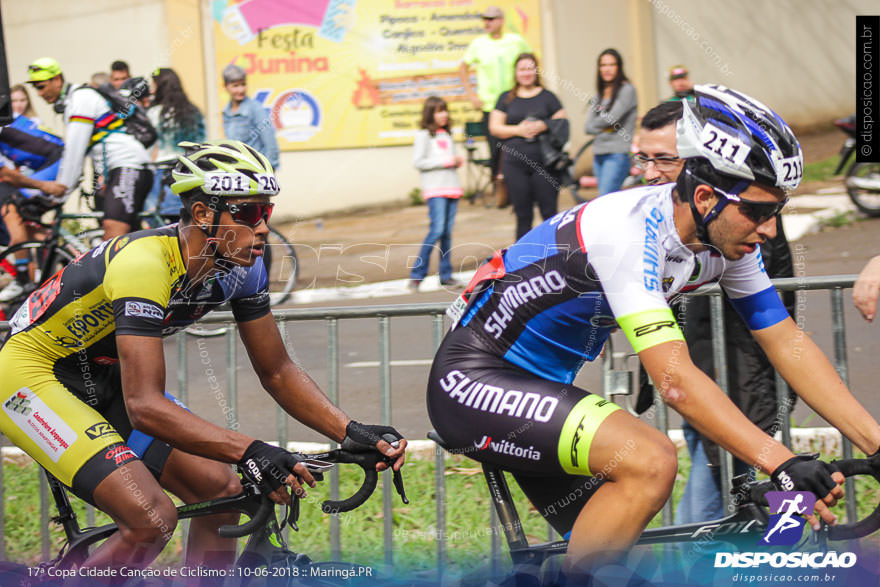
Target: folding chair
column 478, row 174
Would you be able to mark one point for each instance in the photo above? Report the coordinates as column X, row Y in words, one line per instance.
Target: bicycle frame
column 265, row 545
column 76, row 550
column 745, row 525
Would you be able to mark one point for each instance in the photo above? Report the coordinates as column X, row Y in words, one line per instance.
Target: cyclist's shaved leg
column 114, row 228
column 146, row 517
column 193, row 479
column 639, row 465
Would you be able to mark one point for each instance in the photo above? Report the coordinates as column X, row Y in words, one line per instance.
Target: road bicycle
column 58, row 247
column 539, row 564
column 265, row 558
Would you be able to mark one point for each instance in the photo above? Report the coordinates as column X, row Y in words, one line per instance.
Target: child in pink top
column 434, row 156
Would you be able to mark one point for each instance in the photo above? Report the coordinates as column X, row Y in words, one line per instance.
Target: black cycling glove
column 360, row 437
column 268, row 465
column 805, row 473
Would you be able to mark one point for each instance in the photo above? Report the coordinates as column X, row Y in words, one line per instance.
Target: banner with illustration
column 355, row 73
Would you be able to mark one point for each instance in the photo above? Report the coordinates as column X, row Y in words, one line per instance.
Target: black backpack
column 123, row 105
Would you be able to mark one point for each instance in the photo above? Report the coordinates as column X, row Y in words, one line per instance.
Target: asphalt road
column 832, row 252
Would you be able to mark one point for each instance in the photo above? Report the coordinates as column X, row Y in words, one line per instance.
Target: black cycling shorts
column 124, row 194
column 496, row 412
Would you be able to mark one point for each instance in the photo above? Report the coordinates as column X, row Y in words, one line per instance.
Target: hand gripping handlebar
column 259, row 507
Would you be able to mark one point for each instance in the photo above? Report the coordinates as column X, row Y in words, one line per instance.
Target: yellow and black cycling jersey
column 132, row 284
column 61, row 394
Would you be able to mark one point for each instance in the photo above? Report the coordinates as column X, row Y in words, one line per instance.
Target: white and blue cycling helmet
column 730, row 140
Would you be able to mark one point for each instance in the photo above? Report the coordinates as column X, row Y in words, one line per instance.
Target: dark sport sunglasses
column 250, row 213
column 759, row 212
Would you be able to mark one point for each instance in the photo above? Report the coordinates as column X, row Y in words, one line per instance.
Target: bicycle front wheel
column 281, row 265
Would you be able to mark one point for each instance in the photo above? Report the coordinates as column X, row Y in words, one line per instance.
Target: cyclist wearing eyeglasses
column 92, row 129
column 84, row 373
column 500, row 388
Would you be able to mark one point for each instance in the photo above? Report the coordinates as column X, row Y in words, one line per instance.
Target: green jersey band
column 650, row 328
column 578, row 431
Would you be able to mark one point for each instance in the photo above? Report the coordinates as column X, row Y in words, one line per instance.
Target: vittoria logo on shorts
column 100, row 429
column 119, row 454
column 484, row 443
column 505, row 447
column 144, row 310
column 19, row 403
column 497, row 400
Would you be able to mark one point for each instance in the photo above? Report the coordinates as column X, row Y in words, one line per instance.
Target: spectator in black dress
column 520, row 115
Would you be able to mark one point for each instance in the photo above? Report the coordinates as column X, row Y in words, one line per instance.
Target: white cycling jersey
column 615, row 261
column 83, row 107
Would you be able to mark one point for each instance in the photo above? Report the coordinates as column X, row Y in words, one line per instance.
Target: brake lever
column 397, row 476
column 398, row 485
column 293, row 515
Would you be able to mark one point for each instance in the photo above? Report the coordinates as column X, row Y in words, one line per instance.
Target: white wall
column 796, row 56
column 84, row 36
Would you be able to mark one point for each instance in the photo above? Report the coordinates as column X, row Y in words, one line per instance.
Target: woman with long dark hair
column 612, row 118
column 520, row 115
column 176, row 119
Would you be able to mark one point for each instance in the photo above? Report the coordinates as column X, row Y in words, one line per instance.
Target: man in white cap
column 492, row 56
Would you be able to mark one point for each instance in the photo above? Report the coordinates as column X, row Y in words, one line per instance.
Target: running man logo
column 787, row 508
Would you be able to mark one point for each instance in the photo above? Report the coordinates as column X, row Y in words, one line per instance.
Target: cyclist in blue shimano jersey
column 26, row 144
column 500, row 388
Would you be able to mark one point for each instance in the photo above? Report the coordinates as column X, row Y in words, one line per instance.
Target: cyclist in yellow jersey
column 84, row 372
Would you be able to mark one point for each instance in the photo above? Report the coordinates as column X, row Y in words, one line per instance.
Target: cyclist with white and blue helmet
column 501, row 385
column 84, row 371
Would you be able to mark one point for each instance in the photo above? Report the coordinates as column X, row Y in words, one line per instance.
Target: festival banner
column 355, row 73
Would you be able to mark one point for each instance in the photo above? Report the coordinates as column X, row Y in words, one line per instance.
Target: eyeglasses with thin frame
column 664, row 162
column 250, row 213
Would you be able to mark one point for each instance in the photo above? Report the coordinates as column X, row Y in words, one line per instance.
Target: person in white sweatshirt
column 434, row 156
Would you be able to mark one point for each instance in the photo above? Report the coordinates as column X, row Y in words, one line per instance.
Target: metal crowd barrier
column 383, row 315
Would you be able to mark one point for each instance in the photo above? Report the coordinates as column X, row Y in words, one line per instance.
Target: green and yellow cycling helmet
column 223, row 168
column 44, row 68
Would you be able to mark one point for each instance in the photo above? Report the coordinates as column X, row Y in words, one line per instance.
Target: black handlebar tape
column 869, row 524
column 331, row 506
column 267, row 506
